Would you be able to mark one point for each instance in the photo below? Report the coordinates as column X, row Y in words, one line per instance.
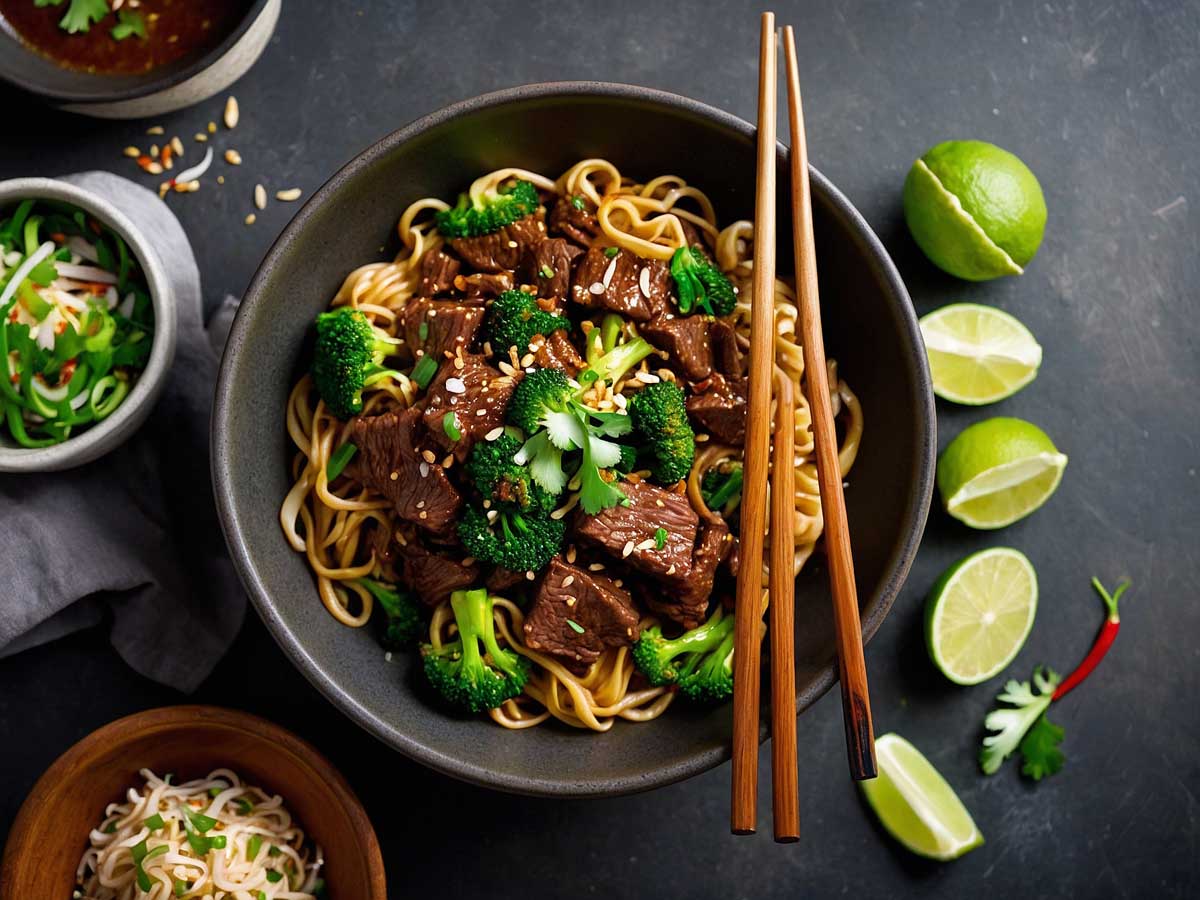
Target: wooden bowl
column 50, row 832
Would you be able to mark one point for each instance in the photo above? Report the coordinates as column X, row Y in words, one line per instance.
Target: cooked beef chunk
column 447, row 326
column 553, row 256
column 502, row 249
column 438, row 270
column 618, row 283
column 650, row 508
column 433, row 576
column 557, row 352
column 484, row 285
column 602, row 613
column 379, row 539
column 389, row 463
column 686, row 599
column 577, row 222
column 727, row 356
column 718, row 406
column 477, row 395
column 686, row 339
column 500, row 580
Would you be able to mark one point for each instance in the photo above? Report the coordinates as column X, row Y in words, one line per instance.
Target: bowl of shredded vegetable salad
column 87, row 327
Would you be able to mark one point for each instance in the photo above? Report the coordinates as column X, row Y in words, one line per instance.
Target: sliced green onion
column 339, row 459
column 111, row 827
column 610, row 252
column 547, row 272
column 140, row 854
column 217, row 842
column 245, row 807
column 424, row 371
column 273, row 851
column 154, row 823
column 274, row 877
column 199, row 821
column 423, row 330
column 577, row 202
column 579, row 629
column 660, row 538
column 253, row 845
column 450, row 426
column 182, row 887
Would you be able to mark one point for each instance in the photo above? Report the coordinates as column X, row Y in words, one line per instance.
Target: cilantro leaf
column 1013, row 722
column 129, row 23
column 1040, row 749
column 81, row 14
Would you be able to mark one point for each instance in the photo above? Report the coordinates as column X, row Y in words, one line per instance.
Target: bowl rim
column 897, row 565
column 70, row 764
column 146, row 84
column 105, row 436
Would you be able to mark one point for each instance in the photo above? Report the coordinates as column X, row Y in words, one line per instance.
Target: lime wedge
column 998, row 471
column 979, row 614
column 978, row 354
column 915, row 804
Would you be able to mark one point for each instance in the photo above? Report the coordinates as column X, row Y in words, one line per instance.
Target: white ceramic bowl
column 113, row 431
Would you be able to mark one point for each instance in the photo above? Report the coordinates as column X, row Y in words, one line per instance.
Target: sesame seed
column 132, row 152
column 571, row 554
column 659, row 503
column 212, row 128
column 231, row 112
column 527, row 359
column 423, row 515
column 448, row 461
column 608, row 273
column 220, row 179
column 420, row 503
column 627, row 549
column 701, row 438
column 671, row 571
column 644, row 282
column 260, row 196
column 424, row 468
column 646, row 544
column 568, row 581
column 154, row 168
column 429, row 457
column 596, row 288
column 570, row 600
column 513, row 244
column 647, row 378
column 250, row 219
column 618, row 582
column 459, row 363
column 233, row 157
column 494, row 433
column 394, row 475
column 530, row 576
column 154, row 129
column 455, row 386
column 491, row 515
column 200, row 137
column 596, row 567
column 289, row 195
column 177, row 145
column 629, row 632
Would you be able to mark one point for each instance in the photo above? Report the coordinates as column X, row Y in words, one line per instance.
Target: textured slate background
column 1102, row 101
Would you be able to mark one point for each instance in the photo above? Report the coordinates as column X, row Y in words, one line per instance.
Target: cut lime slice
column 979, row 614
column 916, row 805
column 998, row 471
column 978, row 354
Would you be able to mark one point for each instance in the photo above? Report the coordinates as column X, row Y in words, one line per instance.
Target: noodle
column 651, row 220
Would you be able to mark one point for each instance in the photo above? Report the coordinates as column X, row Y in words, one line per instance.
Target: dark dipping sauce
column 176, row 30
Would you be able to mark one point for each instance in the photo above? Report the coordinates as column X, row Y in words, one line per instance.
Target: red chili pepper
column 1104, row 640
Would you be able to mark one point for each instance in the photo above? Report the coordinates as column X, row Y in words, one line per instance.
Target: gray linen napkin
column 134, row 534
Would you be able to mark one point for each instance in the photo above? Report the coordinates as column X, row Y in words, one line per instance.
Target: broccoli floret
column 720, row 488
column 659, row 414
column 701, row 285
column 514, row 540
column 711, row 681
column 402, row 623
column 546, row 407
column 515, row 318
column 348, row 357
column 474, row 672
column 512, row 202
column 506, row 483
column 665, row 661
column 611, row 365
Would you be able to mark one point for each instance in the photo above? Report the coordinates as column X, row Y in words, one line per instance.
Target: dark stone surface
column 1102, row 102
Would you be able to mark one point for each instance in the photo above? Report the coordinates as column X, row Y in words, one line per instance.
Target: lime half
column 998, row 471
column 916, row 805
column 978, row 354
column 979, row 614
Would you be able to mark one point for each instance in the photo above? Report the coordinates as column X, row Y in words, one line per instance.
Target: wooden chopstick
column 746, row 674
column 856, row 703
column 785, row 790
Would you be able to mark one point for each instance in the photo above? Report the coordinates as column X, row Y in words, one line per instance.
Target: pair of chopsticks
column 856, row 710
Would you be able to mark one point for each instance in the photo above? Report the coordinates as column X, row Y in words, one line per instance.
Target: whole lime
column 975, row 209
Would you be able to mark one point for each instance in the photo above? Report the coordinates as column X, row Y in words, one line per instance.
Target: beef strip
column 616, row 283
column 686, row 339
column 501, row 249
column 650, row 508
column 602, row 611
column 389, row 463
column 553, row 256
column 438, row 270
column 696, row 237
column 686, row 600
column 727, row 358
column 483, row 286
column 433, row 576
column 556, row 351
column 718, row 405
column 571, row 221
column 447, row 326
column 476, row 394
column 501, row 579
column 379, row 539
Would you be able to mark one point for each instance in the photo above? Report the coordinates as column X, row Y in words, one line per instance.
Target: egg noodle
column 651, row 220
column 214, row 838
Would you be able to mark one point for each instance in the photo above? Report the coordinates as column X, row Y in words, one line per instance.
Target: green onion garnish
column 140, row 854
column 215, row 790
column 111, row 827
column 547, row 272
column 245, row 807
column 253, row 845
column 423, row 330
column 577, row 202
column 338, row 460
column 154, row 823
column 610, row 252
column 217, row 842
column 273, row 851
column 200, row 822
column 450, row 426
column 424, row 371
column 181, row 887
column 579, row 629
column 274, row 877
column 660, row 539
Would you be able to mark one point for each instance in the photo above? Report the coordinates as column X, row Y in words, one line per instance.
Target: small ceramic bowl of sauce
column 141, row 58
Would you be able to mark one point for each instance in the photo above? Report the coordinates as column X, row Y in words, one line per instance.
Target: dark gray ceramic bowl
column 870, row 328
